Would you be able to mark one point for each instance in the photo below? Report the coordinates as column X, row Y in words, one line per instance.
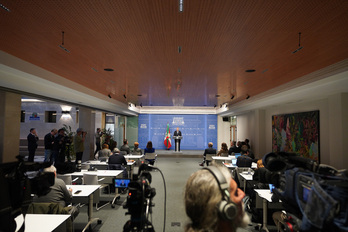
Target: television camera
column 139, row 201
column 315, row 196
column 18, row 180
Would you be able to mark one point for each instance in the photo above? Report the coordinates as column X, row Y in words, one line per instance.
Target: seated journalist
column 105, row 152
column 213, row 202
column 58, row 193
column 118, row 162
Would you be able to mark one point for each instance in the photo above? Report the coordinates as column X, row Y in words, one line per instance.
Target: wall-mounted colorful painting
column 297, row 132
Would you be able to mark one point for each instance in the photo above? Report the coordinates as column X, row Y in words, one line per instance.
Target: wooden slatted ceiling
column 139, row 39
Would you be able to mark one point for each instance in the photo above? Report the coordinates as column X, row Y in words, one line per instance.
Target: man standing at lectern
column 177, row 133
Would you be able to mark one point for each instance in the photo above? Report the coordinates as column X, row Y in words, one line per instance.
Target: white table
column 44, row 222
column 222, row 158
column 100, row 173
column 266, row 196
column 104, row 165
column 246, row 177
column 85, row 196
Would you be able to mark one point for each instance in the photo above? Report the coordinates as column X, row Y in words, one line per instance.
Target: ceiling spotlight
column 250, row 70
column 108, row 69
column 247, row 97
column 232, row 97
column 124, row 95
column 109, row 95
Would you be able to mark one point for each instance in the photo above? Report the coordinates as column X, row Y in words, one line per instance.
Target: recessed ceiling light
column 250, row 70
column 108, row 69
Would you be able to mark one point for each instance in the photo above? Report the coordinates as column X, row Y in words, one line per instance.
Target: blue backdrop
column 196, row 130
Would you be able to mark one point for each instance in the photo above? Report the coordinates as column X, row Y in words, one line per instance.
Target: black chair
column 119, row 167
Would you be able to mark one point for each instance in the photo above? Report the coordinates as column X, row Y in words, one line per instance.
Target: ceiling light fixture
column 66, row 112
column 61, row 45
column 250, row 70
column 108, row 69
column 299, row 44
column 247, row 96
column 109, row 95
column 4, row 7
column 181, row 5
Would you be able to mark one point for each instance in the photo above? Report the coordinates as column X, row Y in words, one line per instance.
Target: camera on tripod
column 139, row 202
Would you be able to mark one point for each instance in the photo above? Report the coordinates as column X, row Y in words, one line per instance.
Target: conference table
column 85, row 196
column 103, row 165
column 34, row 222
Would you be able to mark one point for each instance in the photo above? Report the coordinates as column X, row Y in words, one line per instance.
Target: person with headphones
column 213, row 201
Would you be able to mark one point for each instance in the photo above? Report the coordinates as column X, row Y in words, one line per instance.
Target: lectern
column 177, row 142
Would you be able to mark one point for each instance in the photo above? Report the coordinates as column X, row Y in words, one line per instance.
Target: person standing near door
column 32, row 144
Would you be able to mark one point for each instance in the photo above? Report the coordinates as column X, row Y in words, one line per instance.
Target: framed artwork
column 298, row 133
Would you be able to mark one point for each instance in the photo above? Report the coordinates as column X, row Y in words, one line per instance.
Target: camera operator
column 79, row 142
column 205, row 193
column 58, row 153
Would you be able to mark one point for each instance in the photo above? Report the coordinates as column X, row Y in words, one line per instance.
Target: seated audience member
column 246, row 141
column 58, row 193
column 244, row 149
column 125, row 148
column 233, row 148
column 244, row 160
column 223, row 151
column 239, row 146
column 137, row 150
column 118, row 162
column 204, row 195
column 208, row 153
column 105, row 152
column 149, row 153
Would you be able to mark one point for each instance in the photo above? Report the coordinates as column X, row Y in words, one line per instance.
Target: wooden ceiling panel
column 139, row 39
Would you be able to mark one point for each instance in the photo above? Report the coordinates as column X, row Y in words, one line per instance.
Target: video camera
column 139, row 201
column 314, row 195
column 18, row 180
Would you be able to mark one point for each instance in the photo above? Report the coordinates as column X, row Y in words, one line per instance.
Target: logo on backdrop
column 34, row 117
column 178, row 121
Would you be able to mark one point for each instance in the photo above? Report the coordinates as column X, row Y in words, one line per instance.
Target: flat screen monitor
column 121, row 183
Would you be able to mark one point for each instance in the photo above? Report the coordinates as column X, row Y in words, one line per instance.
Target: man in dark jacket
column 49, row 140
column 32, row 144
column 208, row 153
column 125, row 148
column 118, row 162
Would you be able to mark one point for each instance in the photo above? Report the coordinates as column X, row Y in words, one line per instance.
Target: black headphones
column 227, row 209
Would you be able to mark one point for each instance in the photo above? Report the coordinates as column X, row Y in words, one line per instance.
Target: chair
column 151, row 158
column 92, row 179
column 67, row 179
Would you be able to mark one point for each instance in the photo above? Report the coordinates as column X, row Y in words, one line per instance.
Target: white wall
column 223, row 133
column 257, row 126
column 41, row 126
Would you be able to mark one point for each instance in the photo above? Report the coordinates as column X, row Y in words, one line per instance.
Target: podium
column 177, row 143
